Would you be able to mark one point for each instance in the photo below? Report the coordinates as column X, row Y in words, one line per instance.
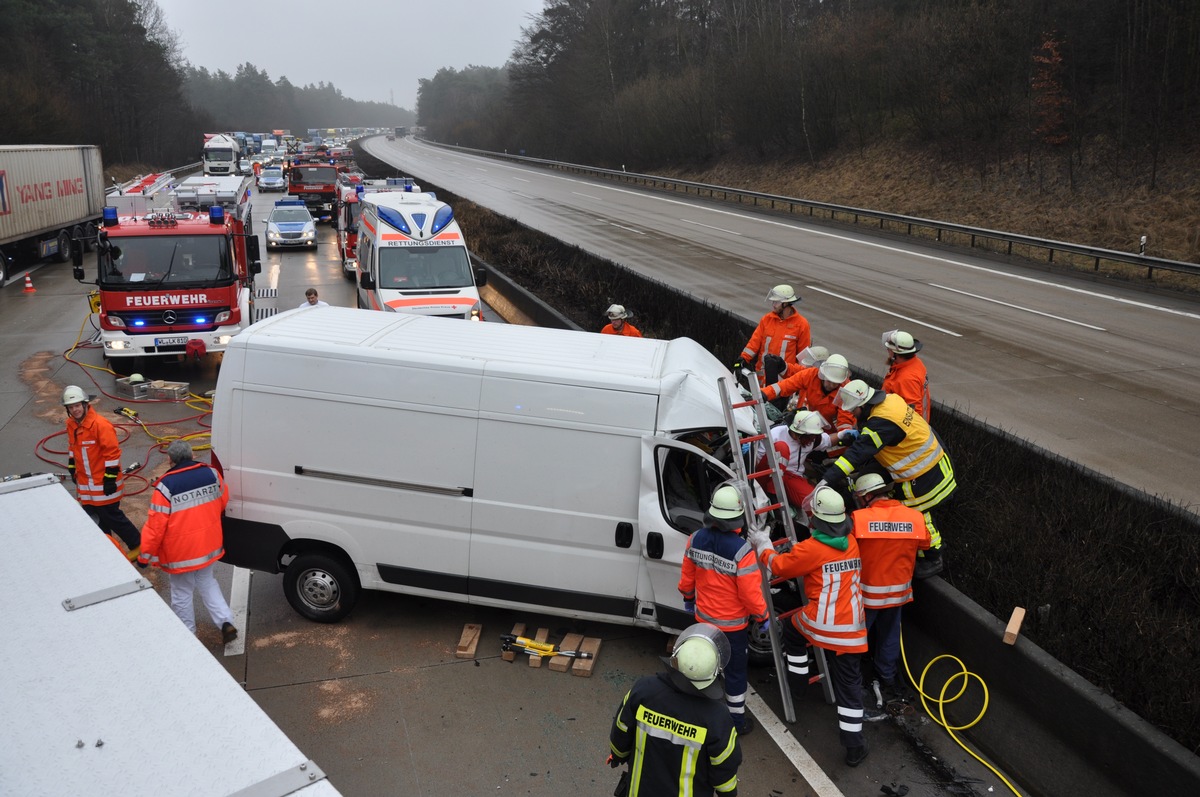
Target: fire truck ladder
column 743, row 478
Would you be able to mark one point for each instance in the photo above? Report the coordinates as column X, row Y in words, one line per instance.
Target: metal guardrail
column 940, row 231
column 191, row 167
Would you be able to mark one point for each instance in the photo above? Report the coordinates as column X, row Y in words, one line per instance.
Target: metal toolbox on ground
column 167, row 391
column 132, row 390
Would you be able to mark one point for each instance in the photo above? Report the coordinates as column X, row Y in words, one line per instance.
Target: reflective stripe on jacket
column 889, row 535
column 93, row 446
column 682, row 745
column 908, row 379
column 786, row 337
column 183, row 527
column 721, row 575
column 833, row 618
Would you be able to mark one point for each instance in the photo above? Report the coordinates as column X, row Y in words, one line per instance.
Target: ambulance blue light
column 110, row 217
column 395, row 219
column 216, row 214
column 444, row 216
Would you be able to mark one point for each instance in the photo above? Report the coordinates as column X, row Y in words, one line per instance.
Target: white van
column 412, row 257
column 527, row 468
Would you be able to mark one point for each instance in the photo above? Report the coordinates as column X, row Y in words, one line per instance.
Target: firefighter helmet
column 813, row 355
column 783, row 293
column 700, row 654
column 900, row 342
column 726, row 503
column 74, row 395
column 615, row 312
column 807, row 422
column 869, row 483
column 853, row 395
column 835, row 369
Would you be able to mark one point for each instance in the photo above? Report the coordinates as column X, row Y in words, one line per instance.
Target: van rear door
column 677, row 480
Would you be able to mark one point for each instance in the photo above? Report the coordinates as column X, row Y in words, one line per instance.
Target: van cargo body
column 48, row 196
column 537, row 469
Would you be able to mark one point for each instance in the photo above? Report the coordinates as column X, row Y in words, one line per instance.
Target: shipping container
column 48, row 196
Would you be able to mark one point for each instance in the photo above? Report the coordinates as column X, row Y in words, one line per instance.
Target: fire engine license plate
column 170, row 341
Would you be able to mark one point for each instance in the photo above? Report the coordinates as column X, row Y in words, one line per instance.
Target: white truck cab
column 537, row 469
column 412, row 257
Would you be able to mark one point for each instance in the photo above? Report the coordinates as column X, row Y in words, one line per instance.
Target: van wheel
column 320, row 587
column 785, row 600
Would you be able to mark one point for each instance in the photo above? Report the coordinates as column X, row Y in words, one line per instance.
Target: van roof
column 681, row 372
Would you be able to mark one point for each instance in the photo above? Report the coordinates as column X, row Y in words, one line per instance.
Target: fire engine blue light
column 110, row 217
column 395, row 219
column 201, row 319
column 138, row 322
column 216, row 214
column 444, row 216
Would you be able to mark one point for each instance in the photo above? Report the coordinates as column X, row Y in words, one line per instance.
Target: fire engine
column 176, row 266
column 315, row 183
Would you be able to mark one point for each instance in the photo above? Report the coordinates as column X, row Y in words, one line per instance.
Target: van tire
column 320, row 587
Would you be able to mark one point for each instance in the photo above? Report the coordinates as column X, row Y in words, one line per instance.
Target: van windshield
column 405, row 267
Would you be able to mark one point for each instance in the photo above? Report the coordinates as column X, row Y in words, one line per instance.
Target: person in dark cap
column 673, row 727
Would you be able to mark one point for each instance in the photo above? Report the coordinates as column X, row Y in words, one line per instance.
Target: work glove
column 760, row 539
column 689, row 607
column 847, row 435
column 766, row 624
column 71, row 470
column 110, row 483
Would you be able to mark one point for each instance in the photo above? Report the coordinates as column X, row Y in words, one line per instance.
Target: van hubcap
column 319, row 589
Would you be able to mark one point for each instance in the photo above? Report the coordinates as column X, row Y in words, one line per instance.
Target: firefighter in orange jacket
column 833, row 618
column 183, row 536
column 899, row 441
column 906, row 376
column 889, row 534
column 721, row 585
column 618, row 324
column 815, row 389
column 783, row 332
column 94, row 462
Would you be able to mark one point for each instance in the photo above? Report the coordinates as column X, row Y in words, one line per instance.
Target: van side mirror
column 366, row 281
column 480, row 276
column 77, row 255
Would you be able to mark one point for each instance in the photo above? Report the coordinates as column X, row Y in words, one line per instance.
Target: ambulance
column 412, row 257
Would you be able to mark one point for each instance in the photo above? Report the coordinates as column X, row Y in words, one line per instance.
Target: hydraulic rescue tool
column 534, row 648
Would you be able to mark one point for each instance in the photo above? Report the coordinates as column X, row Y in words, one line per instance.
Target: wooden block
column 563, row 663
column 583, row 667
column 1014, row 626
column 468, row 641
column 511, row 655
column 541, row 636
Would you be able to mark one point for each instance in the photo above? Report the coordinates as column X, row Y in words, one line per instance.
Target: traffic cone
column 29, row 285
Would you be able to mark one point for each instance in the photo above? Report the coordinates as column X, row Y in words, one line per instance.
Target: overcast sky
column 370, row 49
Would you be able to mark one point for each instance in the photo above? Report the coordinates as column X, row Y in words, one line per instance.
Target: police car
column 270, row 178
column 290, row 224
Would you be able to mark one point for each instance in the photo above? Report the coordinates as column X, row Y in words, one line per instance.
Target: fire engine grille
column 170, row 319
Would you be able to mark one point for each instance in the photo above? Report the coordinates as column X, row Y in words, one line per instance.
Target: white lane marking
column 710, row 227
column 521, row 180
column 881, row 310
column 523, row 196
column 587, row 196
column 630, row 229
column 900, row 250
column 1017, row 307
column 239, row 604
column 817, row 780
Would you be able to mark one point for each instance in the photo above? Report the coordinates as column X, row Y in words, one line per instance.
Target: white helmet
column 900, row 342
column 726, row 503
column 616, row 311
column 828, row 505
column 136, row 379
column 783, row 293
column 807, row 422
column 834, row 369
column 73, row 395
column 700, row 654
column 869, row 483
column 853, row 395
column 813, row 355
